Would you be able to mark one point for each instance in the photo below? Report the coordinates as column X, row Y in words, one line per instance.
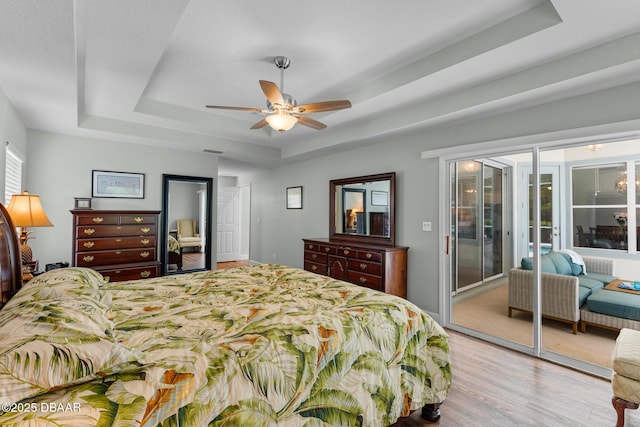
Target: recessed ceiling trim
column 525, row 24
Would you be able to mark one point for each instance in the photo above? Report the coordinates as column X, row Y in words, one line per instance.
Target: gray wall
column 276, row 232
column 183, row 203
column 12, row 131
column 60, row 169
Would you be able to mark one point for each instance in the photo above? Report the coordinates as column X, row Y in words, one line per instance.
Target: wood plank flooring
column 494, row 386
column 231, row 264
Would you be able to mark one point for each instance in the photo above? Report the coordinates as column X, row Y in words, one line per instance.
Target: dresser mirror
column 362, row 209
column 186, row 234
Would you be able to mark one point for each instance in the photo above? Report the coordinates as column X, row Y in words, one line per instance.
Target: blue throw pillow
column 546, row 265
column 576, row 269
column 561, row 264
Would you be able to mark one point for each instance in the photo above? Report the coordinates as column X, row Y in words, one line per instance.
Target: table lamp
column 26, row 211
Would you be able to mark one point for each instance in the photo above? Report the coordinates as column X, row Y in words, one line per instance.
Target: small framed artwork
column 294, row 197
column 379, row 198
column 117, row 184
column 83, row 203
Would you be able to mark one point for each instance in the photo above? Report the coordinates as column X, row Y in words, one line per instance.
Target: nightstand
column 27, row 275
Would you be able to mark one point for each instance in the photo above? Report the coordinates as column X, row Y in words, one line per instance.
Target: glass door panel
column 493, row 227
column 481, row 249
column 546, row 213
column 469, row 233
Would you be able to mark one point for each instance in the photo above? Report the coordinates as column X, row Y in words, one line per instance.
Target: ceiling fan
column 283, row 111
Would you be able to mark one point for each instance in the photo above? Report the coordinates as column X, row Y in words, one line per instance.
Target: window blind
column 13, row 174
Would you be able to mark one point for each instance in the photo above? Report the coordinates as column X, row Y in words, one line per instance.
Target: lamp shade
column 26, row 211
column 281, row 121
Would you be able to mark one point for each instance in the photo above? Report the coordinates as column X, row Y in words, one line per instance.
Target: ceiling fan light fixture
column 281, row 121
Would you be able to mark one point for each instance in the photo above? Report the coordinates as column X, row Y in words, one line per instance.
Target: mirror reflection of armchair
column 188, row 236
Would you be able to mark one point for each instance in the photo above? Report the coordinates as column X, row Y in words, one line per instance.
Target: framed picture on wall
column 294, row 197
column 117, row 184
column 379, row 198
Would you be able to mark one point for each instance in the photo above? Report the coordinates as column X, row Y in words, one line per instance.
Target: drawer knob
column 144, row 254
column 314, row 267
column 145, row 229
column 145, row 274
column 89, row 231
column 369, row 255
column 363, row 266
column 346, row 252
column 327, row 249
column 87, row 258
column 363, row 279
column 314, row 256
column 144, row 241
column 88, row 245
column 97, row 219
column 138, row 219
column 118, row 252
column 310, row 246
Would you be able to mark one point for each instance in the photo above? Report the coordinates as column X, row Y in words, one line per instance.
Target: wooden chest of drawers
column 377, row 267
column 121, row 245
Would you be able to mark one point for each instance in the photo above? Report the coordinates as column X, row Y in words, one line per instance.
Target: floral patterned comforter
column 255, row 346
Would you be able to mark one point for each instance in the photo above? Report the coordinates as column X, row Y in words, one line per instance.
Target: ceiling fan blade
column 316, row 107
column 272, row 93
column 314, row 124
column 262, row 123
column 222, row 107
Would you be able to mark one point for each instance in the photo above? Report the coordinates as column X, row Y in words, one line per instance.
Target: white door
column 228, row 224
column 549, row 210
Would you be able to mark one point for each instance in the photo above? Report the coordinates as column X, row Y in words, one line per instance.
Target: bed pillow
column 30, row 367
column 79, row 275
column 55, row 334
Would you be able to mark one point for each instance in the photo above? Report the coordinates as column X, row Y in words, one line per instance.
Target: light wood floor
column 232, row 264
column 195, row 260
column 494, row 386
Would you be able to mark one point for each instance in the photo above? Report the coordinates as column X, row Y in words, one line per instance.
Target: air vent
column 206, row 150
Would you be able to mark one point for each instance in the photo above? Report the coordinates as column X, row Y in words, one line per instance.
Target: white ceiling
column 142, row 71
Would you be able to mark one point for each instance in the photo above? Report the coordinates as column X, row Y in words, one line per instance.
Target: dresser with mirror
column 361, row 245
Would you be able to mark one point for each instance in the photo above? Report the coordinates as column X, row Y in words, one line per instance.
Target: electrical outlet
column 426, row 226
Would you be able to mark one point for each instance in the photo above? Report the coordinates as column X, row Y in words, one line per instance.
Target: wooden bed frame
column 11, row 282
column 175, row 258
column 10, row 261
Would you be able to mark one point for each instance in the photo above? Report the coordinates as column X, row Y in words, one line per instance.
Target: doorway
column 549, row 209
column 233, row 223
column 532, row 183
column 228, row 238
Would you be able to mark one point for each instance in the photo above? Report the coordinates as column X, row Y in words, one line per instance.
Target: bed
column 266, row 345
column 174, row 252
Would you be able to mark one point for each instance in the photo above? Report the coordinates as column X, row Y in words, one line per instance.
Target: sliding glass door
column 485, row 233
column 477, row 223
column 515, row 207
